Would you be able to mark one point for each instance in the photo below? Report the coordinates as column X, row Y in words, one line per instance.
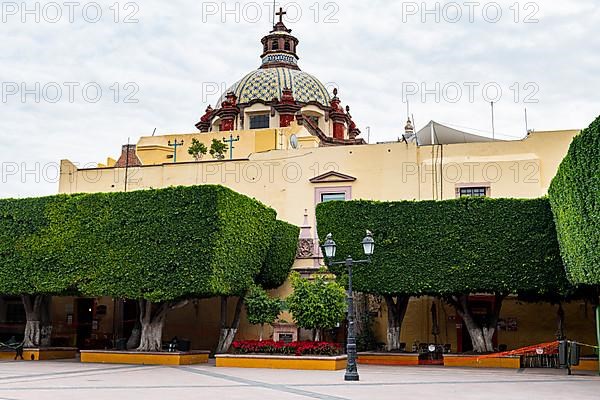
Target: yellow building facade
column 292, row 146
column 294, row 180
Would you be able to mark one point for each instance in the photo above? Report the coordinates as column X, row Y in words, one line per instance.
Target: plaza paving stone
column 71, row 380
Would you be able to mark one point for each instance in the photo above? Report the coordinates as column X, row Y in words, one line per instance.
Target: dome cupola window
column 260, row 121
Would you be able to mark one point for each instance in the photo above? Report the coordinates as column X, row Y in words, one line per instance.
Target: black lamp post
column 368, row 247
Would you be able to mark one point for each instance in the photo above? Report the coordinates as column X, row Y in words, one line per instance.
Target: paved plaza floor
column 72, row 380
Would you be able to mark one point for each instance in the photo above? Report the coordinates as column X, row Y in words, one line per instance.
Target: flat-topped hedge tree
column 164, row 247
column 30, row 267
column 275, row 270
column 449, row 249
column 575, row 197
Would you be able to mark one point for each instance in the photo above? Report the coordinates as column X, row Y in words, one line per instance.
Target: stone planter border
column 40, row 354
column 140, row 358
column 461, row 360
column 374, row 358
column 316, row 363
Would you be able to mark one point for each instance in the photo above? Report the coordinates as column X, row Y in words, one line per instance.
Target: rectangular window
column 259, row 121
column 473, row 192
column 325, row 197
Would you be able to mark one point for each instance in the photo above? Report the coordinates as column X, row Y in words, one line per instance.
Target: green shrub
column 281, row 256
column 575, row 197
column 460, row 246
column 316, row 304
column 28, row 262
column 156, row 245
column 261, row 309
column 197, row 149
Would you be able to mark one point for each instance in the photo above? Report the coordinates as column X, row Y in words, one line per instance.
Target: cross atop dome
column 279, row 46
column 280, row 14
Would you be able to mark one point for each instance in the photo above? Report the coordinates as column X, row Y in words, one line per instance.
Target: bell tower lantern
column 279, row 47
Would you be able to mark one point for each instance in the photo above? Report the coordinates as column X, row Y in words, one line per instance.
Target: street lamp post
column 330, row 248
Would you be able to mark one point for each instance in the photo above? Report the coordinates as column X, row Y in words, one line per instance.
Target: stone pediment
column 332, row 177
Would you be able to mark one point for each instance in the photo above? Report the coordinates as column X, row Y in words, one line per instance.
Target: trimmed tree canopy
column 168, row 244
column 281, row 256
column 27, row 264
column 156, row 245
column 449, row 247
column 575, row 198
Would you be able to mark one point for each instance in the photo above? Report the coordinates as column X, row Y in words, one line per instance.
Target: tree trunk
column 396, row 311
column 262, row 328
column 134, row 339
column 152, row 320
column 560, row 319
column 481, row 333
column 361, row 310
column 228, row 332
column 37, row 320
column 46, row 322
column 317, row 337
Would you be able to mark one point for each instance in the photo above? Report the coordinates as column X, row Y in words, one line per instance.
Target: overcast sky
column 164, row 64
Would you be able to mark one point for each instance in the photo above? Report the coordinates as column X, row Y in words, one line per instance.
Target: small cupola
column 279, row 46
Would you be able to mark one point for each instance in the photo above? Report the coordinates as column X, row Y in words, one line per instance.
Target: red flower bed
column 291, row 349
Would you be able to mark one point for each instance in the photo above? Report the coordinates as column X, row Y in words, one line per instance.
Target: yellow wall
column 536, row 323
column 154, row 150
column 387, row 172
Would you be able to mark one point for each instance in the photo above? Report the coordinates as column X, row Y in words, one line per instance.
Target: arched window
column 287, row 46
column 266, row 47
column 275, row 45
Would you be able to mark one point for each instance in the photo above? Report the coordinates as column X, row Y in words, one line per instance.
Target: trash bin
column 184, row 345
column 563, row 347
column 574, row 354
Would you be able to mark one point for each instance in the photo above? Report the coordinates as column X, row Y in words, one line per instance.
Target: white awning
column 436, row 133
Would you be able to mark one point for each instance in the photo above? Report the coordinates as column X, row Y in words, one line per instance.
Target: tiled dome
column 268, row 84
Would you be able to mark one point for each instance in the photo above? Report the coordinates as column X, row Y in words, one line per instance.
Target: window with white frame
column 473, row 191
column 325, row 197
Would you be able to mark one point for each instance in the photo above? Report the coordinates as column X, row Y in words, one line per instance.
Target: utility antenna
column 368, row 134
column 154, row 132
column 415, row 128
column 493, row 125
column 526, row 123
column 274, row 10
column 127, row 163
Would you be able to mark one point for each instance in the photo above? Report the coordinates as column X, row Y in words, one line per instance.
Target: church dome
column 268, row 84
column 279, row 93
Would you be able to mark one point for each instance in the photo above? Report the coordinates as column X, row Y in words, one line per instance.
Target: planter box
column 37, row 354
column 282, row 362
column 587, row 364
column 388, row 358
column 140, row 358
column 459, row 360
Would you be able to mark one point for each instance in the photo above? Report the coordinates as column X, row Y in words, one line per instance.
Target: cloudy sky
column 158, row 64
